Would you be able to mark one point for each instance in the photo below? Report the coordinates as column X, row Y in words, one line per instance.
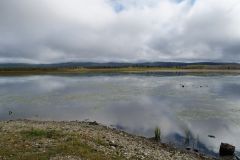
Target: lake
column 191, row 110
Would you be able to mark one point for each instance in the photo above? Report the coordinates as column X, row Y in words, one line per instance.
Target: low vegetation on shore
column 25, row 139
column 81, row 70
column 90, row 67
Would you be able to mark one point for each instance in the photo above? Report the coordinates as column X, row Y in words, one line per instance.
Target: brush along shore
column 40, row 140
column 40, row 71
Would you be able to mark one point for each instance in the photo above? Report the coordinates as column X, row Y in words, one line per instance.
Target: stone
column 113, row 147
column 211, row 136
column 226, row 150
column 93, row 123
column 188, row 148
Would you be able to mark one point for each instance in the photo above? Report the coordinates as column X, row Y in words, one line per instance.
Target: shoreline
column 116, row 70
column 76, row 140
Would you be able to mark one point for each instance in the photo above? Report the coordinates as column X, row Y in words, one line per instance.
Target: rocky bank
column 26, row 139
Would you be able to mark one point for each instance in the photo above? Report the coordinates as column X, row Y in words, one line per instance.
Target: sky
column 53, row 31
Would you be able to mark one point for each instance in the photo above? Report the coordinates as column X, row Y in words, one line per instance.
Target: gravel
column 101, row 138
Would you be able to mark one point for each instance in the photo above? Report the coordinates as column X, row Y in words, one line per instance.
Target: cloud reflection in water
column 136, row 103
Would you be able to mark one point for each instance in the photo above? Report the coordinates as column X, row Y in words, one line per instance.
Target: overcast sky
column 50, row 31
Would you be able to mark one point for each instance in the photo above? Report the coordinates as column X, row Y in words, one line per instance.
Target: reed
column 157, row 134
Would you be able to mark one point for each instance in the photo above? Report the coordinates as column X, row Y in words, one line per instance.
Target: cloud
column 46, row 31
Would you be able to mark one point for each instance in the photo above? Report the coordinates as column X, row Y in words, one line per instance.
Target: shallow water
column 181, row 105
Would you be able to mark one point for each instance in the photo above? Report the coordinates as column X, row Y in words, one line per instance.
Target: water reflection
column 187, row 108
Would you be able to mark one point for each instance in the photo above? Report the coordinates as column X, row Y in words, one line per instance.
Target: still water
column 187, row 108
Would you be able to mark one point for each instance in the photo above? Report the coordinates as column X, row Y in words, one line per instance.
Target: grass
column 188, row 136
column 81, row 70
column 42, row 144
column 157, row 134
column 33, row 133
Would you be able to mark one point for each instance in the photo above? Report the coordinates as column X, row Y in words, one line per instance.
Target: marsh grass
column 188, row 136
column 157, row 133
column 191, row 141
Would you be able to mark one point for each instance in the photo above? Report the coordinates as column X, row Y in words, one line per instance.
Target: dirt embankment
column 25, row 139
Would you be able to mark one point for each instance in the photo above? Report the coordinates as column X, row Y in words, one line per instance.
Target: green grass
column 157, row 133
column 42, row 144
column 33, row 133
column 81, row 70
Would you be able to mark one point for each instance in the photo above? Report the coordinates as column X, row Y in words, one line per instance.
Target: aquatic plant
column 157, row 134
column 191, row 143
column 195, row 144
column 10, row 113
column 188, row 136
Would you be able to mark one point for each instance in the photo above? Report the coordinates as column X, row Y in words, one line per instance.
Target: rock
column 211, row 136
column 113, row 147
column 188, row 148
column 226, row 149
column 93, row 123
column 113, row 144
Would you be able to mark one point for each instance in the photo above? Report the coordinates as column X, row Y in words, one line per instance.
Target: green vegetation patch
column 43, row 144
column 33, row 133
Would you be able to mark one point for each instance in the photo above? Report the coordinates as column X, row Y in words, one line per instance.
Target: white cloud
column 119, row 30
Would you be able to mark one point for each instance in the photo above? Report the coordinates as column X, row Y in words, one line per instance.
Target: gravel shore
column 26, row 139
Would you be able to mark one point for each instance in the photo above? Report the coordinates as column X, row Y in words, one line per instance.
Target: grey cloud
column 52, row 31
